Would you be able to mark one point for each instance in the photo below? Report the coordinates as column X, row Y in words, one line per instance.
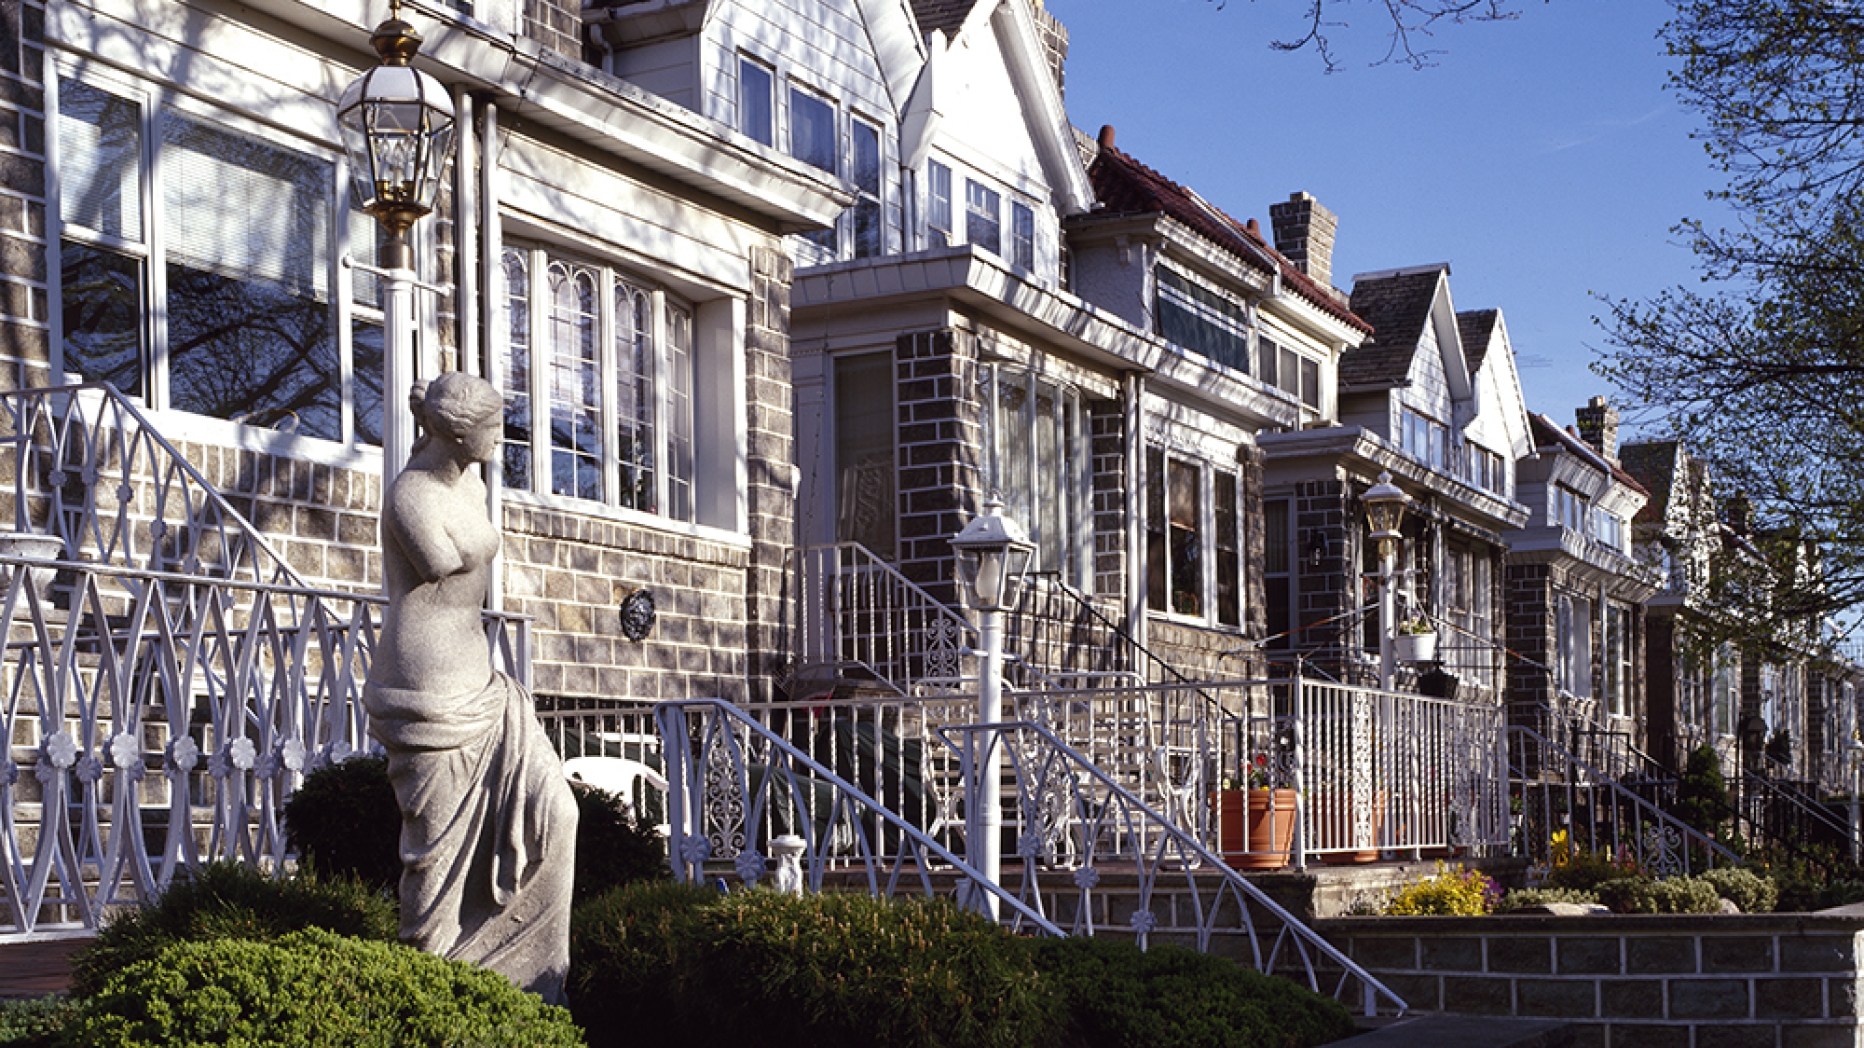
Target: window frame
column 1222, row 325
column 978, row 218
column 157, row 105
column 1022, row 236
column 870, row 201
column 769, row 136
column 1163, row 590
column 672, row 420
column 938, row 204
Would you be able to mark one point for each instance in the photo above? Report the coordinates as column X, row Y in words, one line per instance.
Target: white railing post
column 1303, row 806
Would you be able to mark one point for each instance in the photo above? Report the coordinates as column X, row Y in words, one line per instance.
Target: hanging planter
column 1416, row 641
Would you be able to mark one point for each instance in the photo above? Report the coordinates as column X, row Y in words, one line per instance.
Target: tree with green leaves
column 1759, row 372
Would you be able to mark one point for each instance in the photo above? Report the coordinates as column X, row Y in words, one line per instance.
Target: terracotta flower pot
column 1336, row 810
column 1255, row 828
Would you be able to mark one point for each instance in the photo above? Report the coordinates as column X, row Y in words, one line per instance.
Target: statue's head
column 458, row 403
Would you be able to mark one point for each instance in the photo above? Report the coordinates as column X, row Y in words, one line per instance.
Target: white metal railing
column 735, row 786
column 859, row 618
column 1080, row 836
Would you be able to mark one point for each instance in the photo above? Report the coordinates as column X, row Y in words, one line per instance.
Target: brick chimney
column 1054, row 44
column 1304, row 231
column 1598, row 426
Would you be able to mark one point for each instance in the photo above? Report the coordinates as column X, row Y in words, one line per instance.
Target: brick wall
column 1108, row 421
column 1322, row 510
column 940, row 452
column 25, row 309
column 1759, row 980
column 556, row 24
column 1528, row 598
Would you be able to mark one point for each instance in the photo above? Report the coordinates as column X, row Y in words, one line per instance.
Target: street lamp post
column 397, row 125
column 993, row 552
column 1385, row 505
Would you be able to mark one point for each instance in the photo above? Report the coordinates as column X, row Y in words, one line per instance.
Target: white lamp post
column 397, row 125
column 1385, row 505
column 993, row 552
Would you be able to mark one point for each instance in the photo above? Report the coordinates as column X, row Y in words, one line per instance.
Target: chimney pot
column 1106, row 136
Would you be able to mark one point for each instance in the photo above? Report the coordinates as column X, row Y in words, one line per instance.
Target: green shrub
column 1702, row 792
column 1449, row 893
column 1522, row 898
column 1114, row 994
column 828, row 970
column 1585, row 871
column 231, row 901
column 34, row 1023
column 612, row 849
column 343, row 820
column 314, row 989
column 1644, row 895
column 1752, row 893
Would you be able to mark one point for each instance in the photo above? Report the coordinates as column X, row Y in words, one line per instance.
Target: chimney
column 1598, row 426
column 1304, row 232
column 1738, row 514
column 1054, row 45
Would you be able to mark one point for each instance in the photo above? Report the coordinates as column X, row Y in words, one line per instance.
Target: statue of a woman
column 488, row 824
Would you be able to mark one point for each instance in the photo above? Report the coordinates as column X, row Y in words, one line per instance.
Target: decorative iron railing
column 1566, row 806
column 1081, row 840
column 859, row 619
column 736, row 786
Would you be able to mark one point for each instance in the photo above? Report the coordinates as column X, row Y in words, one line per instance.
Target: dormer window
column 938, row 204
column 1197, row 318
column 869, row 236
column 1570, row 509
column 755, row 118
column 1290, row 372
column 1022, row 236
column 1424, row 438
column 983, row 224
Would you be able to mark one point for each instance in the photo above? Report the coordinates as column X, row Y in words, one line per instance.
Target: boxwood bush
column 1746, row 889
column 1644, row 895
column 1522, row 898
column 654, row 961
column 1114, row 995
column 313, row 989
column 34, row 1023
column 231, row 901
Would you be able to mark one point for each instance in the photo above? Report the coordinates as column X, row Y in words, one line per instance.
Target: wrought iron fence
column 857, row 618
column 1562, row 806
column 737, row 787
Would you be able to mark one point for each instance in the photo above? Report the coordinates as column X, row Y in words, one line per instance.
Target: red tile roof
column 1124, row 186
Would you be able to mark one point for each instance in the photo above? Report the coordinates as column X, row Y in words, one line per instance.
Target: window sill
column 628, row 517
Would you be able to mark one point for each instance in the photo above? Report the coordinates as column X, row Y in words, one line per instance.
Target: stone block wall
column 1744, row 981
column 25, row 307
column 940, row 453
column 1528, row 598
column 1108, row 421
column 771, row 495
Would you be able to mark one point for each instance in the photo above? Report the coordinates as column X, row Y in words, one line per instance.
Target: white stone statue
column 488, row 831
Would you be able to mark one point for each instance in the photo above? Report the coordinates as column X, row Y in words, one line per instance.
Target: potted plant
column 1416, row 640
column 1255, row 818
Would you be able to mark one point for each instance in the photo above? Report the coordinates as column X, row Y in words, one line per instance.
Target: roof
column 1124, row 186
column 1653, row 463
column 1477, row 329
column 1546, row 431
column 946, row 15
column 1397, row 306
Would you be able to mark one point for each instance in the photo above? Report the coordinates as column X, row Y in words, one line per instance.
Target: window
column 1278, row 571
column 1181, row 539
column 1485, row 470
column 1037, row 442
column 1469, row 587
column 813, row 141
column 231, row 312
column 868, row 234
column 1725, row 685
column 754, row 109
column 1197, row 318
column 938, row 204
column 617, row 411
column 1424, row 438
column 1619, row 649
column 1290, row 372
column 864, row 462
column 1022, row 236
column 982, row 224
column 1569, row 509
column 1609, row 529
column 1574, row 628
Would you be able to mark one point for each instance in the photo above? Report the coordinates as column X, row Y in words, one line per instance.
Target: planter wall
column 1780, row 981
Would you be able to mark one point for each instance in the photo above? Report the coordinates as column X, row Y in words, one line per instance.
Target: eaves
column 605, row 113
column 983, row 284
column 1593, row 563
column 1358, row 450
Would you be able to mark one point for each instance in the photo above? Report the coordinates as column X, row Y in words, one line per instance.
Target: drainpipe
column 1134, row 391
column 492, row 313
column 466, row 235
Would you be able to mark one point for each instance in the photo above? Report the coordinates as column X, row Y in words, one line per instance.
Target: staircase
column 169, row 677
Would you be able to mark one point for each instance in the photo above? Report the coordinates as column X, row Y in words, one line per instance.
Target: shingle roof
column 1477, row 329
column 1653, row 463
column 1124, row 186
column 947, row 15
column 1397, row 307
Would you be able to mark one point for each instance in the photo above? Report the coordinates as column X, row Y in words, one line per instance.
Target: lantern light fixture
column 1385, row 505
column 397, row 125
column 993, row 554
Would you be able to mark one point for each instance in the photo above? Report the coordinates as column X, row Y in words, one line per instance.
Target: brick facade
column 25, row 308
column 771, row 493
column 940, row 452
column 1529, row 600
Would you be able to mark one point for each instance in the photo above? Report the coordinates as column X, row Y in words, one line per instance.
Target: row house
column 178, row 222
column 1433, row 399
column 1576, row 594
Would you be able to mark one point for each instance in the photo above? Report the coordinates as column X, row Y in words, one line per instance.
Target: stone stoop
column 39, row 966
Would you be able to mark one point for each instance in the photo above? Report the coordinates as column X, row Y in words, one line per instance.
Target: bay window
column 1193, row 539
column 1037, row 448
column 211, row 290
column 615, row 360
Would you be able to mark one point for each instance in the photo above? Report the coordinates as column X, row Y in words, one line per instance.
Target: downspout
column 1134, row 392
column 466, row 235
column 491, row 316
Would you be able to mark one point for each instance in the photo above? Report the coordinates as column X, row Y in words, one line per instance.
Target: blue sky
column 1542, row 157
